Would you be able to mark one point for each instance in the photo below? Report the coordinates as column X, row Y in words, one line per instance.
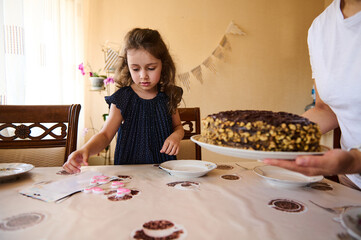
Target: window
column 43, row 45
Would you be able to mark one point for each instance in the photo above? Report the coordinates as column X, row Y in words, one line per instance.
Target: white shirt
column 335, row 53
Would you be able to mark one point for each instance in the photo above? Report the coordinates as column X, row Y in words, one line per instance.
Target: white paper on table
column 55, row 191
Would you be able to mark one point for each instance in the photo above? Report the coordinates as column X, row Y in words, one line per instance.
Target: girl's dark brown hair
column 152, row 42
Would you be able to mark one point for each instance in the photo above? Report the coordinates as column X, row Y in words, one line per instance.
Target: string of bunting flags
column 111, row 57
column 218, row 53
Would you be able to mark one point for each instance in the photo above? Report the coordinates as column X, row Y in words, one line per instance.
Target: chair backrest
column 336, row 144
column 38, row 130
column 337, row 138
column 191, row 121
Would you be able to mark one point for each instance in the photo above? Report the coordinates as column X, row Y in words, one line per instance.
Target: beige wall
column 268, row 68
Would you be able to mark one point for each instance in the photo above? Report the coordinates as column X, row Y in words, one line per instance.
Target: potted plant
column 96, row 80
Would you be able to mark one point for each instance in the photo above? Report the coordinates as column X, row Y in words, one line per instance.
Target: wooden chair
column 336, row 144
column 337, row 138
column 191, row 122
column 42, row 135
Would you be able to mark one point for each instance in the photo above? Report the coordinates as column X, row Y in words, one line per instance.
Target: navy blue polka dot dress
column 146, row 125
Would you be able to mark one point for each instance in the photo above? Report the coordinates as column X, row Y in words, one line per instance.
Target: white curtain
column 43, row 42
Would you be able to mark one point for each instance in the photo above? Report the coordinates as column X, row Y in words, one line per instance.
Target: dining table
column 232, row 201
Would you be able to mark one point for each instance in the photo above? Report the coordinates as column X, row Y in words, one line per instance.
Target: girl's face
column 144, row 68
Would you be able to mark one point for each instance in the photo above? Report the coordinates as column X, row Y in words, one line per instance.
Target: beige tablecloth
column 212, row 208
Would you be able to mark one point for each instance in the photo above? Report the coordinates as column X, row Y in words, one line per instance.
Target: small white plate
column 251, row 154
column 284, row 177
column 12, row 170
column 187, row 168
column 351, row 220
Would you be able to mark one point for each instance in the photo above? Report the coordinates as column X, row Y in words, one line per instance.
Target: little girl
column 143, row 110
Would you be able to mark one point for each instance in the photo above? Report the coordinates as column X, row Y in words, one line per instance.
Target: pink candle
column 98, row 190
column 117, row 184
column 87, row 190
column 122, row 191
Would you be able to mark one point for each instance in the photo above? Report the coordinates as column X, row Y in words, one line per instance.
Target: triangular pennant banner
column 208, row 63
column 197, row 72
column 218, row 53
column 184, row 78
column 234, row 29
column 225, row 43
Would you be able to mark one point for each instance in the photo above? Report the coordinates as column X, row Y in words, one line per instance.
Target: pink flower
column 91, row 73
column 81, row 68
column 108, row 80
column 85, row 132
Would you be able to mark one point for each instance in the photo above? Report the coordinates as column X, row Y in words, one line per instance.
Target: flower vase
column 96, row 83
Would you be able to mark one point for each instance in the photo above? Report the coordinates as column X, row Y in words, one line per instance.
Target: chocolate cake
column 262, row 130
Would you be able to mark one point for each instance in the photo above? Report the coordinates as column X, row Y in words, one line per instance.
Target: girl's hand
column 333, row 162
column 75, row 160
column 171, row 145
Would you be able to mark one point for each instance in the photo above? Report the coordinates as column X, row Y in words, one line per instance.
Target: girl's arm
column 171, row 144
column 96, row 143
column 102, row 139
